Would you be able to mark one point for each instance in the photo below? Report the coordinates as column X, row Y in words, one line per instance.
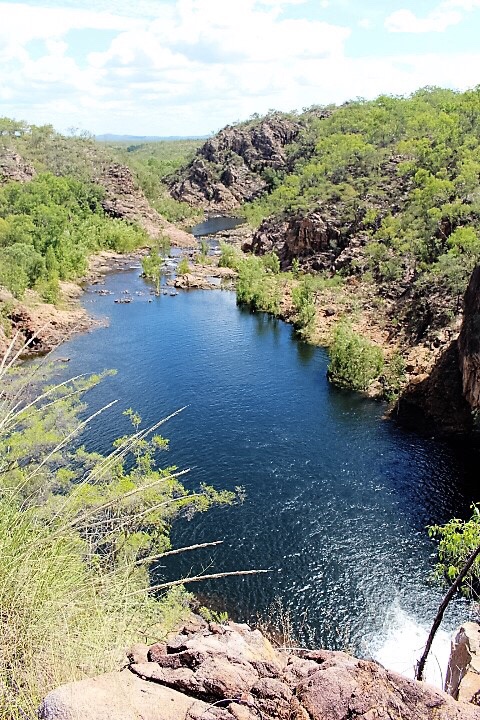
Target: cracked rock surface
column 230, row 672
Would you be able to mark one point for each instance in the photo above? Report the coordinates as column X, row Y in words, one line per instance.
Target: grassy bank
column 325, row 311
column 78, row 535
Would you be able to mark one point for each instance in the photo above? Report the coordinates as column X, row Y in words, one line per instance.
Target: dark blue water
column 337, row 499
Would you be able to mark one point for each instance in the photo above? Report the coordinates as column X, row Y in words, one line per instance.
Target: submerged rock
column 231, row 672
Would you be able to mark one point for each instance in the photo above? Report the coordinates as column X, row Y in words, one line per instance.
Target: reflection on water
column 215, row 225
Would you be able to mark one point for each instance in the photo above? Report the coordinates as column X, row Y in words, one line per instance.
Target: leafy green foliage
column 78, row 532
column 229, row 257
column 303, row 299
column 457, row 540
column 49, row 226
column 354, row 361
column 183, row 267
column 258, row 286
column 405, row 171
column 152, row 266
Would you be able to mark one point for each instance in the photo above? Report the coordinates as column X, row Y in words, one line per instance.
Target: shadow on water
column 215, row 225
column 305, row 351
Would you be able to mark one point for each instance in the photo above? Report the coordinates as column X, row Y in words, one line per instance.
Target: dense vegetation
column 49, row 226
column 457, row 540
column 403, row 171
column 78, row 533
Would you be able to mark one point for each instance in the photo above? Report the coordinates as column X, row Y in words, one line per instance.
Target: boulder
column 230, row 672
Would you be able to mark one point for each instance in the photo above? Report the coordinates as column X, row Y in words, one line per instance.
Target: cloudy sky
column 188, row 67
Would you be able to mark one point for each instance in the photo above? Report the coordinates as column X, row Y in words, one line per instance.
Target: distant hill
column 109, row 137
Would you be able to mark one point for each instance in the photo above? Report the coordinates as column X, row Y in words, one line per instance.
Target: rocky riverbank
column 230, row 672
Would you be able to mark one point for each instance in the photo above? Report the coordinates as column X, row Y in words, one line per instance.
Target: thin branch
column 135, row 491
column 66, row 439
column 199, row 578
column 441, row 610
column 152, row 558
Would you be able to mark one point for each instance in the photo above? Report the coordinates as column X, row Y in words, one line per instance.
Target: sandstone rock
column 124, row 200
column 227, row 169
column 14, row 167
column 445, row 401
column 463, row 673
column 469, row 342
column 318, row 240
column 138, row 653
column 434, row 403
column 156, row 651
column 234, row 673
column 118, row 696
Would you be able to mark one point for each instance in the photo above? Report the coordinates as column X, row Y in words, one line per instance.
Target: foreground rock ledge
column 231, row 672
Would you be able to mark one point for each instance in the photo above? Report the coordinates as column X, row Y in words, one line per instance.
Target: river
column 337, row 498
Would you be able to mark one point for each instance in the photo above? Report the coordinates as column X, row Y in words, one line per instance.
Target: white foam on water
column 403, row 644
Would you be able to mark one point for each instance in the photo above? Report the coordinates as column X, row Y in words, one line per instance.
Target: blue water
column 215, row 224
column 337, row 499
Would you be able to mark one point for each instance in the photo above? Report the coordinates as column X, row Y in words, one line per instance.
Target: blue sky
column 186, row 67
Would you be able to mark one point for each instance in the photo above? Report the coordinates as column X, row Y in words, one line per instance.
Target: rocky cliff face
column 447, row 399
column 318, row 240
column 227, row 169
column 14, row 167
column 469, row 342
column 230, row 672
column 124, row 200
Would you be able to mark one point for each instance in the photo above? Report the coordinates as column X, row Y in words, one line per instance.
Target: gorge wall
column 227, row 169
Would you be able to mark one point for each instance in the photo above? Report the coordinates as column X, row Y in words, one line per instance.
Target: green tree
column 354, row 361
column 152, row 267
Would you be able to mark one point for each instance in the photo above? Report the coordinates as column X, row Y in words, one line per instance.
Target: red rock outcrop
column 227, row 168
column 469, row 342
column 315, row 240
column 445, row 402
column 14, row 167
column 124, row 200
column 230, row 672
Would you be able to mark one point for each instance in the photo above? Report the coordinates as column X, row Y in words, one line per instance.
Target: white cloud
column 365, row 24
column 22, row 22
column 191, row 66
column 462, row 4
column 405, row 21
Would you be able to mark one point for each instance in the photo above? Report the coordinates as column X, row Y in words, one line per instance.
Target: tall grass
column 70, row 603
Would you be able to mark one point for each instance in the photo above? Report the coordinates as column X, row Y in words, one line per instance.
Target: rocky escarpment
column 469, row 343
column 227, row 169
column 14, row 167
column 319, row 241
column 447, row 400
column 229, row 672
column 332, row 235
column 126, row 201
